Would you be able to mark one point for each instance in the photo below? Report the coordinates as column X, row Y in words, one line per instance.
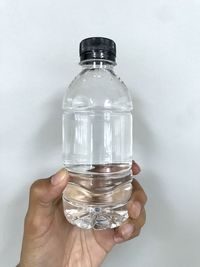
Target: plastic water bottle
column 97, row 140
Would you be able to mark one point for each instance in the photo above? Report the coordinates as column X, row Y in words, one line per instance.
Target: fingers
column 137, row 201
column 130, row 228
column 44, row 192
column 138, row 224
column 137, row 216
column 135, row 168
column 43, row 195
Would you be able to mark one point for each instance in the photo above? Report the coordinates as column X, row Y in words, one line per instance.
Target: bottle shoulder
column 97, row 87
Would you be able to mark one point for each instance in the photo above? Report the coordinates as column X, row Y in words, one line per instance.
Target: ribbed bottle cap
column 97, row 48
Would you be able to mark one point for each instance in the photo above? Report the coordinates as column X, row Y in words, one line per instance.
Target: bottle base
column 97, row 217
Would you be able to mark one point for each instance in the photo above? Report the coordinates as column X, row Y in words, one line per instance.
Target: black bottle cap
column 97, row 48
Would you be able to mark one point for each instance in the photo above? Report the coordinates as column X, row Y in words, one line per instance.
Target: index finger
column 137, row 201
column 138, row 193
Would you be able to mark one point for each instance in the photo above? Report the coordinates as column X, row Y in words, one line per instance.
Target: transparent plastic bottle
column 97, row 140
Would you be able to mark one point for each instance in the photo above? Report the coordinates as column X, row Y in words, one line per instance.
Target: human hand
column 51, row 241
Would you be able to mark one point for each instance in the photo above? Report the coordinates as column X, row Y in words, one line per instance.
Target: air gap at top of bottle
column 97, row 140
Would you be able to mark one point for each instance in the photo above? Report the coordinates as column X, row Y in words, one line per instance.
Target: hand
column 50, row 241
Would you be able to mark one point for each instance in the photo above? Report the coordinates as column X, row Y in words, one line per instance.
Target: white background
column 158, row 45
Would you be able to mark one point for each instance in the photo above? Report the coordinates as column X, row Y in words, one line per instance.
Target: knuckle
column 142, row 219
column 142, row 195
column 37, row 187
column 139, row 193
column 31, row 223
column 134, row 182
column 142, row 223
column 136, row 233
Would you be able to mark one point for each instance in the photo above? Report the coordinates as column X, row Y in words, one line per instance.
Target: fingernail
column 58, row 177
column 127, row 230
column 135, row 168
column 135, row 209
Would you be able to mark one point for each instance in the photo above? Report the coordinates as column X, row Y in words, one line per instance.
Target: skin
column 50, row 241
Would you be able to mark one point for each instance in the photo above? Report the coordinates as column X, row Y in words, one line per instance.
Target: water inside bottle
column 97, row 150
column 96, row 136
column 98, row 200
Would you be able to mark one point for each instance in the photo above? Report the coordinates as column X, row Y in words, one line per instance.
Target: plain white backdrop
column 158, row 45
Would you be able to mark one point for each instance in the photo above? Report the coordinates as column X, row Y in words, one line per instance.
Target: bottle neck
column 98, row 64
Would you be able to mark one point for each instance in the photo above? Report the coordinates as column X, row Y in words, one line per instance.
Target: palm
column 68, row 245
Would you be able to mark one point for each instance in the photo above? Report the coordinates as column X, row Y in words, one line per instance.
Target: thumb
column 44, row 193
